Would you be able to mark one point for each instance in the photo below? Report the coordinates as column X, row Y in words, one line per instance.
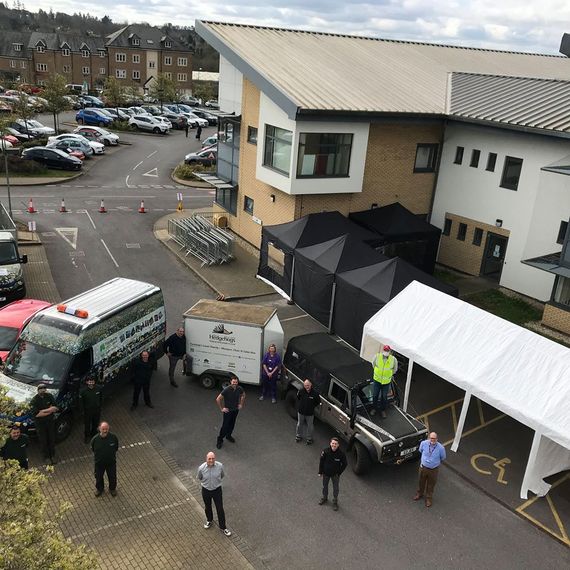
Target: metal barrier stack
column 202, row 239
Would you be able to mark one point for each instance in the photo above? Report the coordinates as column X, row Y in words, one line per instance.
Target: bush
column 35, row 142
column 122, row 126
column 186, row 171
column 17, row 165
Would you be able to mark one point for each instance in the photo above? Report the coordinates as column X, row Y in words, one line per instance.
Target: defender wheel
column 360, row 458
column 208, row 382
column 291, row 403
column 156, row 130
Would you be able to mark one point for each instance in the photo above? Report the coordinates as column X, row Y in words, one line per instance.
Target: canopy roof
column 513, row 369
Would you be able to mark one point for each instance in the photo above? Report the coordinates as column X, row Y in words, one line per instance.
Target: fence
column 202, row 239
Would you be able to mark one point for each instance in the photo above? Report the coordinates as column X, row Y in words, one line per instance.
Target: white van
column 96, row 334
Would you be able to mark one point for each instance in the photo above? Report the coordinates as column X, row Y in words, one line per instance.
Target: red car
column 11, row 139
column 13, row 318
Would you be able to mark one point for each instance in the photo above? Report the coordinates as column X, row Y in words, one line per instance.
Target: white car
column 166, row 122
column 37, row 126
column 148, row 123
column 97, row 148
column 213, row 139
column 195, row 119
column 139, row 111
column 109, row 138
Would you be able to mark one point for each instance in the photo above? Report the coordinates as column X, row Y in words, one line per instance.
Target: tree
column 203, row 90
column 55, row 92
column 114, row 92
column 23, row 109
column 164, row 89
column 30, row 538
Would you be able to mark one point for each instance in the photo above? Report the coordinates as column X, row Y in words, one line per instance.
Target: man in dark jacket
column 307, row 401
column 331, row 465
column 15, row 447
column 43, row 410
column 175, row 348
column 142, row 372
column 105, row 446
column 91, row 401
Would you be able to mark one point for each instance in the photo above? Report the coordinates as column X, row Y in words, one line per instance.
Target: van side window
column 339, row 394
column 320, row 379
column 81, row 364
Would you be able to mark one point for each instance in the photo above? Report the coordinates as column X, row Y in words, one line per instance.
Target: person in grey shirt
column 210, row 475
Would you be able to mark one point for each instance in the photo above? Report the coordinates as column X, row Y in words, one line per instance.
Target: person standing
column 16, row 447
column 308, row 399
column 210, row 475
column 432, row 455
column 186, row 128
column 198, row 131
column 91, row 401
column 230, row 401
column 105, row 446
column 385, row 366
column 331, row 465
column 43, row 410
column 142, row 372
column 270, row 372
column 175, row 348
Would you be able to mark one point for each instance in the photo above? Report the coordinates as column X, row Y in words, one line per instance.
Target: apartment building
column 14, row 59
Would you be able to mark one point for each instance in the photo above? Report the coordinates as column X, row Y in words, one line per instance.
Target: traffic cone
column 141, row 208
column 31, row 209
column 102, row 209
column 62, row 208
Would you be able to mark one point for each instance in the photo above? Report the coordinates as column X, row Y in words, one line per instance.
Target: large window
column 324, row 154
column 121, row 57
column 227, row 199
column 562, row 232
column 511, row 173
column 562, row 291
column 426, row 158
column 277, row 153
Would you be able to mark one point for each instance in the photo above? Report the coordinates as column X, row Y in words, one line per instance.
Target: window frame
column 167, row 60
column 136, row 41
column 136, row 58
column 12, row 63
column 17, row 46
column 272, row 138
column 84, row 68
column 67, row 69
column 491, row 162
column 504, row 183
column 459, row 152
column 432, row 157
column 462, row 231
column 337, row 155
column 562, row 231
column 181, row 77
column 447, row 226
column 251, row 139
column 152, row 64
column 85, row 53
column 334, row 383
column 102, row 71
column 475, row 158
column 248, row 204
column 477, row 237
column 121, row 73
column 41, row 67
column 41, row 48
column 182, row 61
column 120, row 57
column 167, row 43
column 65, row 52
column 136, row 74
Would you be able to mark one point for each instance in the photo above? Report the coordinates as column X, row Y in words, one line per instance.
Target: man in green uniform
column 15, row 447
column 43, row 410
column 105, row 445
column 91, row 400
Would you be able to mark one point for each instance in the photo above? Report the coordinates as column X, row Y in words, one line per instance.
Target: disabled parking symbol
column 480, row 460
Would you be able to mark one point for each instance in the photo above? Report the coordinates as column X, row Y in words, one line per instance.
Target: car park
column 189, row 100
column 52, row 158
column 152, row 109
column 73, row 102
column 102, row 135
column 212, row 119
column 205, row 157
column 344, row 382
column 148, row 123
column 198, row 121
column 138, row 111
column 93, row 117
column 130, row 111
column 74, row 143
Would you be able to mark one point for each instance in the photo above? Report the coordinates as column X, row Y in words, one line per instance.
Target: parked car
column 25, row 128
column 212, row 119
column 84, row 101
column 14, row 141
column 212, row 103
column 5, row 145
column 206, row 157
column 138, row 111
column 211, row 140
column 93, row 117
column 166, row 122
column 91, row 101
column 118, row 115
column 52, row 158
column 189, row 100
column 73, row 102
column 13, row 318
column 98, row 135
column 22, row 137
column 195, row 119
column 74, row 142
column 152, row 109
column 74, row 152
column 130, row 111
column 36, row 126
column 178, row 121
column 148, row 123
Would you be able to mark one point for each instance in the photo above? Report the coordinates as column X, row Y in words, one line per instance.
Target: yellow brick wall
column 556, row 318
column 463, row 255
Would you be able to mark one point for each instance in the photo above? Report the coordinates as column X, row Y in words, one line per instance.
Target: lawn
column 515, row 310
column 447, row 276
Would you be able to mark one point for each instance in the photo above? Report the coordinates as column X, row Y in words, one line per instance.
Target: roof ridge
column 524, row 77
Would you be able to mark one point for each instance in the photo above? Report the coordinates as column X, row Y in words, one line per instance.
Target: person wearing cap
column 385, row 366
column 91, row 401
column 16, row 447
column 43, row 411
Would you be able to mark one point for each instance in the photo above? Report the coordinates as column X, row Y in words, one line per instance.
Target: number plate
column 408, row 451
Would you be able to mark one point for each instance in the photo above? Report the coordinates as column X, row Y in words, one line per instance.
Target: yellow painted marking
column 477, row 456
column 557, row 518
column 480, row 408
column 530, row 501
column 500, row 465
column 477, row 428
column 445, row 406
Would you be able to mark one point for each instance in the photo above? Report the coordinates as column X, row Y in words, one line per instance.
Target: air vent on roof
column 565, row 45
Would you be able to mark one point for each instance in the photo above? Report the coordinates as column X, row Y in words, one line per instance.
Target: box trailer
column 224, row 338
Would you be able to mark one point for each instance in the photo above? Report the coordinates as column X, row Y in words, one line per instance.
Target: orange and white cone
column 62, row 208
column 141, row 208
column 31, row 209
column 102, row 209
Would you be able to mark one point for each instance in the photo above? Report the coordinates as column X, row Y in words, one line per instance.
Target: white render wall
column 229, row 88
column 476, row 194
column 271, row 114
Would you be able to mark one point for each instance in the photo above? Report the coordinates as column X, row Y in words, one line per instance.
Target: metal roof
column 310, row 71
column 522, row 101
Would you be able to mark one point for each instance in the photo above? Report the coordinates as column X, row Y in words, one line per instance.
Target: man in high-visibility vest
column 385, row 366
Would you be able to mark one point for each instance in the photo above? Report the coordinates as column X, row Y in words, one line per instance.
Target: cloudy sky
column 504, row 24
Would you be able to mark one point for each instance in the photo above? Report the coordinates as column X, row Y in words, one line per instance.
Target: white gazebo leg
column 461, row 422
column 408, row 384
column 530, row 464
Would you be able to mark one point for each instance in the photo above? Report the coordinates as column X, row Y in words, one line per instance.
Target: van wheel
column 291, row 403
column 63, row 426
column 360, row 458
column 208, row 382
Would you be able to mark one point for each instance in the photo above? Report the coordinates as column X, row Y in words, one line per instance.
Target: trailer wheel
column 208, row 382
column 291, row 403
column 360, row 458
column 63, row 426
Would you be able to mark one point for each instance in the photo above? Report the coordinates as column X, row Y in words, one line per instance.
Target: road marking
column 69, row 235
column 90, row 219
column 138, row 164
column 109, row 252
column 48, row 234
column 153, row 172
column 133, row 245
column 477, row 428
column 152, row 154
column 127, row 182
column 498, row 463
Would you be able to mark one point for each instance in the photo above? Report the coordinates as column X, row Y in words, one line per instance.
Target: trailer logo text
column 220, row 333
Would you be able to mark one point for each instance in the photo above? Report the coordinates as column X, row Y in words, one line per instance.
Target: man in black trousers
column 230, row 402
column 105, row 446
column 44, row 409
column 331, row 465
column 142, row 372
column 91, row 400
column 175, row 348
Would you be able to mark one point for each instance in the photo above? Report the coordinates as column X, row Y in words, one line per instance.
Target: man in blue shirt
column 432, row 455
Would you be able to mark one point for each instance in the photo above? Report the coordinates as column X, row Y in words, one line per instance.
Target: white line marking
column 110, row 254
column 152, row 154
column 121, row 197
column 90, row 219
column 69, row 235
column 127, row 181
column 138, row 164
column 293, row 318
column 152, row 172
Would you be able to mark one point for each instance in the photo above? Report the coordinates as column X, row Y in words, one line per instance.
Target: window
column 42, row 82
column 151, row 64
column 426, row 157
column 252, row 135
column 462, row 232
column 102, row 71
column 85, row 70
column 136, row 42
column 167, row 75
column 475, row 155
column 23, row 64
column 136, row 58
column 101, row 53
column 562, row 291
column 85, row 53
column 17, row 47
column 324, row 154
column 65, row 52
column 477, row 236
column 182, row 77
column 447, row 227
column 227, row 199
column 67, row 69
column 562, row 232
column 121, row 57
column 12, row 63
column 41, row 67
column 182, row 61
column 277, row 153
column 40, row 48
column 121, row 73
column 491, row 162
column 136, row 74
column 167, row 43
column 339, row 394
column 248, row 204
column 511, row 173
column 167, row 60
column 458, row 155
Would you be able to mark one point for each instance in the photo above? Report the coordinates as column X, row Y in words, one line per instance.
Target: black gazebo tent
column 400, row 233
column 361, row 293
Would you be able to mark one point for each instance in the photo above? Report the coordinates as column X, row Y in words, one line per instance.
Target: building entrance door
column 494, row 256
